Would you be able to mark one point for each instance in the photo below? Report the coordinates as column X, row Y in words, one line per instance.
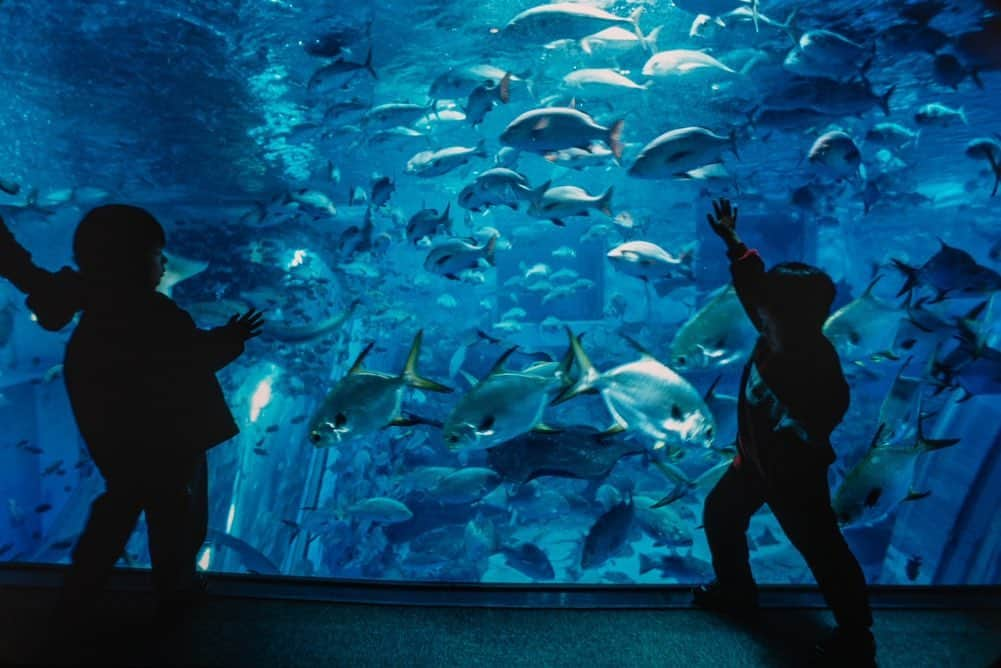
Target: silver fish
column 365, row 401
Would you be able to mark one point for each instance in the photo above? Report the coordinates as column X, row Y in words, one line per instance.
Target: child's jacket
column 793, row 398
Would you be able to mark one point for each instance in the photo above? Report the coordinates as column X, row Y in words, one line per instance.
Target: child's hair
column 799, row 296
column 112, row 242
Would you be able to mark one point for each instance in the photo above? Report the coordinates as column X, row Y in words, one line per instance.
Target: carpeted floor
column 229, row 631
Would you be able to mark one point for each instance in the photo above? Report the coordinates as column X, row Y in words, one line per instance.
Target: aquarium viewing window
column 501, row 340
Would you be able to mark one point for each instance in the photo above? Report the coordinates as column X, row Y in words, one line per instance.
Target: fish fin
column 535, row 194
column 916, row 496
column 410, row 419
column 615, row 429
column 634, row 18
column 470, row 378
column 545, row 429
column 615, row 138
column 368, row 64
column 650, row 41
column 927, row 445
column 357, row 366
column 907, row 270
column 558, row 222
column 540, row 125
column 589, row 375
column 711, row 392
column 975, row 75
column 498, row 366
column 605, row 203
column 410, row 375
column 647, row 563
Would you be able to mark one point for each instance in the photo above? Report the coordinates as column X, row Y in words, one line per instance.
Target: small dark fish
column 52, row 468
column 922, row 12
column 21, row 443
column 527, row 558
column 950, row 270
column 6, row 548
column 382, row 189
column 260, row 451
column 45, row 507
column 607, row 535
column 297, row 419
column 913, row 567
column 10, row 187
column 272, row 429
column 684, row 568
column 63, row 544
column 331, row 44
column 427, row 222
column 35, row 450
column 576, row 452
column 913, row 37
column 948, row 71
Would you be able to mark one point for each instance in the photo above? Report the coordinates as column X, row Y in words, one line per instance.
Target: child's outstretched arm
column 54, row 298
column 746, row 266
column 219, row 346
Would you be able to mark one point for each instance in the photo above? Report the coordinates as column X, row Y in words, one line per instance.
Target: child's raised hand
column 725, row 222
column 246, row 326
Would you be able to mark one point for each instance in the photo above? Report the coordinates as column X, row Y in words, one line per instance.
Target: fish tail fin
column 975, row 75
column 929, row 444
column 589, row 375
column 962, row 116
column 634, row 19
column 884, row 99
column 605, row 203
column 447, row 218
column 647, row 563
column 615, row 138
column 650, row 41
column 535, row 194
column 368, row 64
column 910, row 272
column 410, row 375
column 996, row 168
column 790, row 28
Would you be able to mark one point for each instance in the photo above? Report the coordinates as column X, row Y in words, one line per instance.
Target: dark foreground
column 262, row 624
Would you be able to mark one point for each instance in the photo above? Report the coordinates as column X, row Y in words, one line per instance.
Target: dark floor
column 233, row 629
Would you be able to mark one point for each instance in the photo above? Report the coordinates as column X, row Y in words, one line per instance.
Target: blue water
column 206, row 116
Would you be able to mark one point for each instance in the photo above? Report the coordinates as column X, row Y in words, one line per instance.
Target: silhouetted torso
column 141, row 375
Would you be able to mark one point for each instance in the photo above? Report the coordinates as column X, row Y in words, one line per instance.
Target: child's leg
column 112, row 518
column 800, row 498
column 727, row 514
column 168, row 518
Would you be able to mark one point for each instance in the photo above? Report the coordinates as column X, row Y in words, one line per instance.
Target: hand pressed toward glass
column 725, row 222
column 246, row 326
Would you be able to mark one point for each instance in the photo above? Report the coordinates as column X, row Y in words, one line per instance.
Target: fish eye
column 314, row 437
column 709, row 432
column 682, row 360
column 340, row 420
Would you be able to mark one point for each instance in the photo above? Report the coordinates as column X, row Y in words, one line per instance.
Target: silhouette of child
column 141, row 382
column 792, row 396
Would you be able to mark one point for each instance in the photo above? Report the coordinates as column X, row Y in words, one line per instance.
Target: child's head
column 798, row 298
column 121, row 245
